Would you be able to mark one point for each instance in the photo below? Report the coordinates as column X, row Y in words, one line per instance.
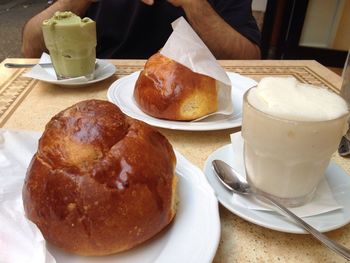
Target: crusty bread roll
column 100, row 182
column 168, row 90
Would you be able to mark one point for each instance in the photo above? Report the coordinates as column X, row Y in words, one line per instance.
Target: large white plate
column 121, row 93
column 104, row 70
column 193, row 236
column 338, row 180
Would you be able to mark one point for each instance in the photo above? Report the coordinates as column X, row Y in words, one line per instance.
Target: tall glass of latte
column 290, row 132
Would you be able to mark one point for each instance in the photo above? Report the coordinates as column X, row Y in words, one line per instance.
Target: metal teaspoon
column 43, row 65
column 19, row 65
column 233, row 182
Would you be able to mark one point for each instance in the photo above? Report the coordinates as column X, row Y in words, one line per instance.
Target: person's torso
column 131, row 29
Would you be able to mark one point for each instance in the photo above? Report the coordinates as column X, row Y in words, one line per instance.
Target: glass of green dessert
column 71, row 42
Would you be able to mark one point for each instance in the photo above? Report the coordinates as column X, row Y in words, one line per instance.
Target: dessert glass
column 71, row 42
column 286, row 159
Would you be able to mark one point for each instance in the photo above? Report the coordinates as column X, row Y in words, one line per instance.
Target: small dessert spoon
column 18, row 65
column 233, row 181
column 26, row 65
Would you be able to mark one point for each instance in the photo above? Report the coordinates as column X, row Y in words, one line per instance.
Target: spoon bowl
column 235, row 183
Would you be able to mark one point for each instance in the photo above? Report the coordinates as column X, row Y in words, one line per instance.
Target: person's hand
column 148, row 2
column 181, row 3
column 173, row 2
column 76, row 1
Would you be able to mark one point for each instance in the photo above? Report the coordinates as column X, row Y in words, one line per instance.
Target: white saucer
column 192, row 237
column 104, row 70
column 338, row 180
column 121, row 93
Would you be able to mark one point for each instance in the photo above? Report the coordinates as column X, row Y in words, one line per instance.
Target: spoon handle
column 16, row 65
column 318, row 235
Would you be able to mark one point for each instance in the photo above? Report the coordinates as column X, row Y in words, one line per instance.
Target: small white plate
column 338, row 180
column 121, row 94
column 192, row 237
column 104, row 70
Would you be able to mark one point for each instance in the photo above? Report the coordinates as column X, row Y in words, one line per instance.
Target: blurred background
column 307, row 29
column 13, row 15
column 291, row 29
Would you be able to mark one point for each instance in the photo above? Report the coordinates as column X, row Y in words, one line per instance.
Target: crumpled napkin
column 48, row 73
column 186, row 47
column 323, row 201
column 20, row 239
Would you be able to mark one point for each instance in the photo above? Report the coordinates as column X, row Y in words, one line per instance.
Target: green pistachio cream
column 71, row 42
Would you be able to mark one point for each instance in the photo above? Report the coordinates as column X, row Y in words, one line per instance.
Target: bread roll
column 168, row 90
column 100, row 182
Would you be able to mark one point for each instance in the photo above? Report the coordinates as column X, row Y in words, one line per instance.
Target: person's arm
column 32, row 38
column 222, row 40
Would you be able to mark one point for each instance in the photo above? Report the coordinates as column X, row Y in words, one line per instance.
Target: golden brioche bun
column 100, row 182
column 168, row 90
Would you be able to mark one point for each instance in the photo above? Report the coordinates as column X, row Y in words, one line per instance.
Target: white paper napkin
column 48, row 73
column 185, row 47
column 323, row 201
column 20, row 239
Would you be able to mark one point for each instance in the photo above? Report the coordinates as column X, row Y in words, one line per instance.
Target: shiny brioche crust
column 100, row 182
column 166, row 89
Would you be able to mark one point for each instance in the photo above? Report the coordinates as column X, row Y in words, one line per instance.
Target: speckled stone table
column 29, row 104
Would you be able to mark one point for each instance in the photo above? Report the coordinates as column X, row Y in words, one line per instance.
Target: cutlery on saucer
column 344, row 147
column 26, row 65
column 18, row 65
column 233, row 181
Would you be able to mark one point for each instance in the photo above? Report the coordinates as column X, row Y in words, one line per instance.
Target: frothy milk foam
column 287, row 98
column 290, row 132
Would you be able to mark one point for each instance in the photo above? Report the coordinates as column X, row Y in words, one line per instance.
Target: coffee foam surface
column 286, row 98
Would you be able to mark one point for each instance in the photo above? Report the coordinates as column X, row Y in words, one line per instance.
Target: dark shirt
column 132, row 29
